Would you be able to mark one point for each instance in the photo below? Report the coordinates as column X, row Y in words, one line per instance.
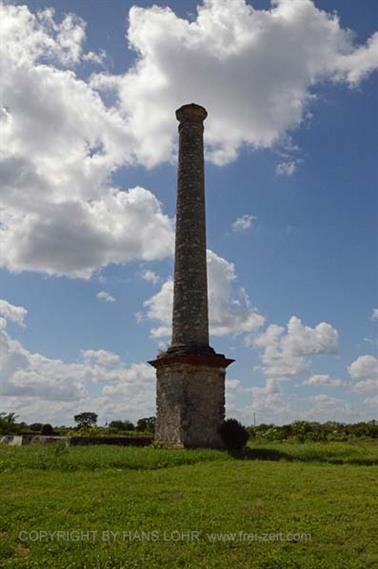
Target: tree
column 116, row 425
column 121, row 426
column 8, row 423
column 146, row 424
column 36, row 427
column 47, row 430
column 85, row 420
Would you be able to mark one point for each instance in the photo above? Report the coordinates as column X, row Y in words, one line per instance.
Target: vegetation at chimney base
column 284, row 505
column 234, row 435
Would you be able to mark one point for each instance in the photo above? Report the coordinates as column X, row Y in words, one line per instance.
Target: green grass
column 325, row 491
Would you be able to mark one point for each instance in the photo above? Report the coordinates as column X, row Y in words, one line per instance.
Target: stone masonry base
column 190, row 400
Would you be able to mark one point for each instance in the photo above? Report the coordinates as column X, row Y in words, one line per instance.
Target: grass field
column 276, row 506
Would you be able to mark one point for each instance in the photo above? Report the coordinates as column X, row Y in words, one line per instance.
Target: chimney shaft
column 190, row 306
column 190, row 387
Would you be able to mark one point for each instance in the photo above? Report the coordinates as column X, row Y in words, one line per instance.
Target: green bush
column 233, row 434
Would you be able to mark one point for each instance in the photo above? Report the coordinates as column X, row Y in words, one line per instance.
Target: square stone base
column 190, row 401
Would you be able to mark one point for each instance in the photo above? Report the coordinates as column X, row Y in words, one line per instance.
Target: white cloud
column 364, row 370
column 26, row 374
column 11, row 312
column 102, row 357
column 286, row 168
column 364, row 367
column 42, row 388
column 133, row 397
column 357, row 64
column 95, row 57
column 323, row 379
column 26, row 37
column 243, row 223
column 232, row 384
column 103, row 295
column 326, row 408
column 366, row 386
column 372, row 401
column 150, row 276
column 269, row 401
column 230, row 310
column 286, row 352
column 76, row 238
column 374, row 314
column 252, row 69
column 61, row 143
column 128, row 385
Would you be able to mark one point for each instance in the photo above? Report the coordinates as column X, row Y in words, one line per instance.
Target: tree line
column 313, row 431
column 86, row 423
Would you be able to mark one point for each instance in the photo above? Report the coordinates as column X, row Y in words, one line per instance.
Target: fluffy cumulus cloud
column 323, row 379
column 252, row 69
column 326, row 408
column 11, row 312
column 364, row 371
column 273, row 404
column 61, row 142
column 44, row 388
column 286, row 350
column 101, row 357
column 150, row 276
column 25, row 374
column 269, row 399
column 59, row 145
column 230, row 310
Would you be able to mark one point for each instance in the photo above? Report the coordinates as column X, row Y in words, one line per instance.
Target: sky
column 88, row 149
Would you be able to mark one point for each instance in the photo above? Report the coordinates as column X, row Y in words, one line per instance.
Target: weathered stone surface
column 11, row 440
column 190, row 375
column 107, row 440
column 190, row 403
column 190, row 326
column 47, row 439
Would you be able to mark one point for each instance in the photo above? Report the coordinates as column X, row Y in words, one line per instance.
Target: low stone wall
column 19, row 440
column 45, row 440
column 11, row 440
column 122, row 441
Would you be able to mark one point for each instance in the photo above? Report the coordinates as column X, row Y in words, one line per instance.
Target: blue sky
column 291, row 149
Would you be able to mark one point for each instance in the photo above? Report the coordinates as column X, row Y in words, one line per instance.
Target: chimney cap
column 191, row 113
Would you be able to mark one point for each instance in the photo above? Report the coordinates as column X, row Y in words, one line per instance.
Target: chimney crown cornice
column 191, row 113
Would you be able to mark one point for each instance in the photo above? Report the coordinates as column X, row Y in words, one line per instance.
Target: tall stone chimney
column 190, row 311
column 190, row 374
